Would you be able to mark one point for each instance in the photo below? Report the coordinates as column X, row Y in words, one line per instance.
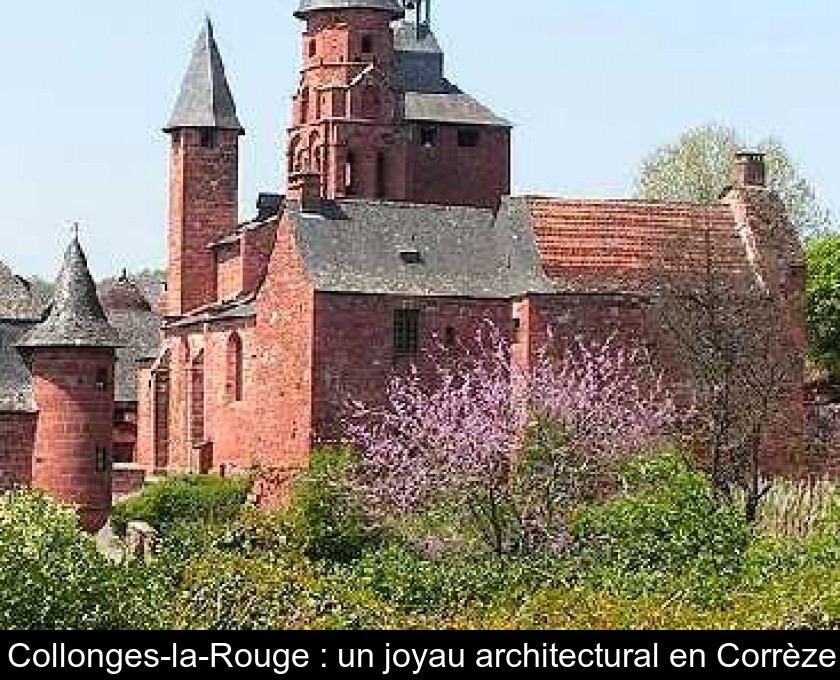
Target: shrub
column 326, row 519
column 664, row 525
column 53, row 577
column 206, row 499
column 823, row 300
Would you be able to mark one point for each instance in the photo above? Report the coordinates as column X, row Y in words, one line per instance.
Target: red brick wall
column 257, row 246
column 75, row 419
column 228, row 271
column 354, row 345
column 17, row 442
column 144, row 452
column 281, row 419
column 452, row 175
column 203, row 206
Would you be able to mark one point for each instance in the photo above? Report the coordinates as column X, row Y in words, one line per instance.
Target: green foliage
column 823, row 301
column 665, row 525
column 698, row 165
column 53, row 577
column 326, row 519
column 182, row 499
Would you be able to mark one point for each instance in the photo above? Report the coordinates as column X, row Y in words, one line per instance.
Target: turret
column 204, row 177
column 71, row 358
column 347, row 110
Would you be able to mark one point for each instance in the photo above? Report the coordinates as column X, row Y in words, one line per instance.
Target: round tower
column 71, row 359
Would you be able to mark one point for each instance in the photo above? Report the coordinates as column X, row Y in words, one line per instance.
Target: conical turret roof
column 75, row 317
column 205, row 100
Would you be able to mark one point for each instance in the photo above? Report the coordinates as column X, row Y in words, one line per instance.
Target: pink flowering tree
column 511, row 450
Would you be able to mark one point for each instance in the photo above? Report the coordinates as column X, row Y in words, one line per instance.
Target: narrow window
column 406, row 332
column 304, row 105
column 381, row 175
column 428, row 136
column 468, row 138
column 103, row 459
column 208, row 138
column 517, row 330
column 367, row 44
column 234, row 368
column 350, row 174
column 449, row 336
column 101, row 379
column 313, row 48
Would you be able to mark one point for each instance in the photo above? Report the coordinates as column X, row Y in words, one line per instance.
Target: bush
column 207, row 499
column 53, row 577
column 665, row 525
column 823, row 301
column 326, row 519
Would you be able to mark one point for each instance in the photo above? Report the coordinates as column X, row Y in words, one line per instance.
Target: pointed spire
column 205, row 100
column 75, row 317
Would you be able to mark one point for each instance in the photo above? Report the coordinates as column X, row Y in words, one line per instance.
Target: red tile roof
column 632, row 242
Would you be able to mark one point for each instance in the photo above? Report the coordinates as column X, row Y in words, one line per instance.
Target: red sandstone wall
column 451, row 175
column 17, row 442
column 144, row 453
column 257, row 246
column 354, row 351
column 281, row 422
column 203, row 195
column 228, row 271
column 75, row 418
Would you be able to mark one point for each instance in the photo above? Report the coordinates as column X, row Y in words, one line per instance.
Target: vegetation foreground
column 658, row 553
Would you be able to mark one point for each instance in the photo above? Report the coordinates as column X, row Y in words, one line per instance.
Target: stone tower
column 204, row 177
column 71, row 359
column 348, row 105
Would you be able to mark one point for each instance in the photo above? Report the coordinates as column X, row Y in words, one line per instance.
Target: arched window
column 234, row 368
column 197, row 399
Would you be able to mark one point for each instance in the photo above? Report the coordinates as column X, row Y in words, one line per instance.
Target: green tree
column 698, row 166
column 823, row 301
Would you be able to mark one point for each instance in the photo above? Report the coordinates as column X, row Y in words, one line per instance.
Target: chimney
column 750, row 169
column 305, row 188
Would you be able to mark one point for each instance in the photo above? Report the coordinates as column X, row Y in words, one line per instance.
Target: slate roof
column 75, row 317
column 450, row 107
column 205, row 100
column 306, row 6
column 138, row 327
column 16, row 393
column 429, row 96
column 627, row 245
column 361, row 246
column 17, row 300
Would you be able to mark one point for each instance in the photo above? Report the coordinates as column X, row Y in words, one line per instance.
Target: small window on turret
column 103, row 459
column 313, row 48
column 428, row 136
column 367, row 44
column 209, row 138
column 102, row 379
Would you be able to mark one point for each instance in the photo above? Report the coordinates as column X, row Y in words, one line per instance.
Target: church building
column 397, row 232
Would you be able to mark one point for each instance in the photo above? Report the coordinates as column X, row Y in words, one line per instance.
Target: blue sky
column 592, row 85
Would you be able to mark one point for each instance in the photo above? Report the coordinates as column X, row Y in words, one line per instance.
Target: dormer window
column 411, row 256
column 367, row 44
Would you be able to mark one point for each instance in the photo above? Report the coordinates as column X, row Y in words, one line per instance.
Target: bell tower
column 204, row 177
column 347, row 109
